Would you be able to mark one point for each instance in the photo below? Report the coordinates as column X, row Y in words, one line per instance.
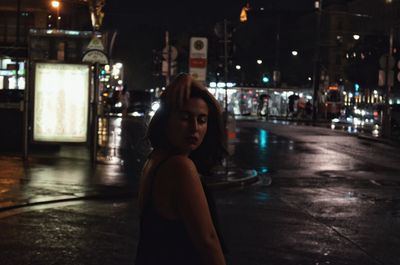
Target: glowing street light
column 259, row 61
column 356, row 36
column 56, row 4
column 295, row 53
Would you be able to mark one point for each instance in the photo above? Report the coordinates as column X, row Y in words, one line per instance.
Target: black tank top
column 166, row 241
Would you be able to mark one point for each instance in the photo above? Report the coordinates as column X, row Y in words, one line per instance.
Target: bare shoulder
column 181, row 169
column 180, row 163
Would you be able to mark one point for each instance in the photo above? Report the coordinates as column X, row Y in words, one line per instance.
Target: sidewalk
column 67, row 174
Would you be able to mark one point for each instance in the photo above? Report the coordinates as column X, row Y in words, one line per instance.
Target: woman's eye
column 184, row 116
column 202, row 119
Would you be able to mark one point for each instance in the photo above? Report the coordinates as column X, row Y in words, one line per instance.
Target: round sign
column 198, row 45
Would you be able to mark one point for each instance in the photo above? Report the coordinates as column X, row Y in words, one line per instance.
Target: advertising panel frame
column 33, row 104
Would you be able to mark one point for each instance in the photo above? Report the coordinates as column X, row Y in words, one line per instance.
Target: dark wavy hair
column 213, row 148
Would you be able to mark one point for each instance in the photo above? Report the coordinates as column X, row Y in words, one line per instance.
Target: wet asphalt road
column 334, row 199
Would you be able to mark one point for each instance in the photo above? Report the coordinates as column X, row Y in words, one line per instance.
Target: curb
column 240, row 182
column 69, row 199
column 234, row 183
column 232, row 179
column 379, row 140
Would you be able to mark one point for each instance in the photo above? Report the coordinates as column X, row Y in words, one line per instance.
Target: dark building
column 34, row 30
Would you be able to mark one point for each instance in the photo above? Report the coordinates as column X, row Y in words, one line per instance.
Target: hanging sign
column 95, row 56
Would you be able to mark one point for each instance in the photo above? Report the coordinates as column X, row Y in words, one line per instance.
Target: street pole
column 225, row 117
column 24, row 101
column 317, row 66
column 226, row 65
column 18, row 20
column 388, row 81
column 276, row 73
column 168, row 74
column 94, row 108
column 17, row 41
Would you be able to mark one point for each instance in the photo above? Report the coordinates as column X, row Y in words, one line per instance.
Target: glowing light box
column 61, row 102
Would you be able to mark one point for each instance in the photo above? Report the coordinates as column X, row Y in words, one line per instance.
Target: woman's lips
column 193, row 139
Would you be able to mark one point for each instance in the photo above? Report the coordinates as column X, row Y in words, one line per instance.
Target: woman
column 176, row 224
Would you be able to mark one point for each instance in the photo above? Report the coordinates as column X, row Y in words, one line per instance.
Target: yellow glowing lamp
column 55, row 4
column 243, row 14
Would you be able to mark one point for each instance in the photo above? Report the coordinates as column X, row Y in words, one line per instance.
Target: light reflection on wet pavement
column 333, row 199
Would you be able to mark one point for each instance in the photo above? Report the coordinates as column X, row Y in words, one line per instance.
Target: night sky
column 141, row 28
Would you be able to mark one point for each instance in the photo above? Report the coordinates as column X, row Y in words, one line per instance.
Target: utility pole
column 168, row 46
column 386, row 118
column 17, row 33
column 226, row 65
column 276, row 73
column 317, row 63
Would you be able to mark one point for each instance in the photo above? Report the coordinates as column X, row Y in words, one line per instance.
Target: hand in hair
column 179, row 90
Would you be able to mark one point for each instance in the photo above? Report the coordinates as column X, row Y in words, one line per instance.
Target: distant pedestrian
column 301, row 108
column 263, row 105
column 308, row 109
column 292, row 100
column 177, row 215
column 125, row 100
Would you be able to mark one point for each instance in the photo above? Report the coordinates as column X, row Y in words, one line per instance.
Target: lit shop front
column 10, row 72
column 246, row 100
column 12, row 87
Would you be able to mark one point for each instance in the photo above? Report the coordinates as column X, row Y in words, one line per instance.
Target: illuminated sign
column 61, row 102
column 333, row 88
column 198, row 58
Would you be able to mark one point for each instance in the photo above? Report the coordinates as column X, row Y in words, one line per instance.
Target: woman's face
column 188, row 126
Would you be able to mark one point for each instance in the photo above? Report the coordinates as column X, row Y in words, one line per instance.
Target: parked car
column 395, row 116
column 140, row 103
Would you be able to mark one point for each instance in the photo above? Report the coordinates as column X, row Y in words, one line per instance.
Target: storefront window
column 8, row 74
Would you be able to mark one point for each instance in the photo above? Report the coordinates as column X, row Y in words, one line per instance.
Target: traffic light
column 356, row 89
column 265, row 78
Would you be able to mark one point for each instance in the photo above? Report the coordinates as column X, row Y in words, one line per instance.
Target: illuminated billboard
column 61, row 102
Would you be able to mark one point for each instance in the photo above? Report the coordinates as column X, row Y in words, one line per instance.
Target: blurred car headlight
column 137, row 114
column 155, row 106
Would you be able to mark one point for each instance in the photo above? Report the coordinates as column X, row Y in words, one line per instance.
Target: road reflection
column 369, row 129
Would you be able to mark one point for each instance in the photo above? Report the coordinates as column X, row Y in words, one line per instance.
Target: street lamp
column 56, row 4
column 386, row 117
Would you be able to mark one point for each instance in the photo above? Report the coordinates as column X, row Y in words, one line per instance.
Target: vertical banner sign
column 198, row 58
column 61, row 102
